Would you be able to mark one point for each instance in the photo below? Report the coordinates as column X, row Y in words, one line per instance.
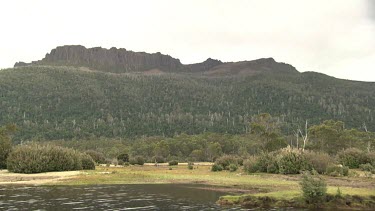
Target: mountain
column 123, row 61
column 76, row 93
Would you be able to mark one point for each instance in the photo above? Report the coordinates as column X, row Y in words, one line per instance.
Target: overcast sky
column 335, row 37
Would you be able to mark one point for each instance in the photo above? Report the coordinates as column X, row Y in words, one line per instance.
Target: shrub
column 98, row 157
column 123, row 157
column 36, row 158
column 314, row 188
column 190, row 165
column 366, row 167
column 173, row 163
column 233, row 167
column 291, row 161
column 120, row 162
column 267, row 161
column 319, row 161
column 337, row 170
column 352, row 157
column 87, row 162
column 251, row 165
column 370, row 158
column 216, row 167
column 137, row 160
column 157, row 159
column 226, row 160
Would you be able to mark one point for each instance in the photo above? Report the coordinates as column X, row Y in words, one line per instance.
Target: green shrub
column 173, row 163
column 366, row 167
column 36, row 158
column 123, row 157
column 319, row 161
column 291, row 161
column 337, row 170
column 352, row 157
column 272, row 168
column 233, row 167
column 370, row 158
column 98, row 157
column 264, row 160
column 314, row 188
column 137, row 160
column 216, row 167
column 120, row 162
column 190, row 165
column 226, row 160
column 251, row 165
column 87, row 162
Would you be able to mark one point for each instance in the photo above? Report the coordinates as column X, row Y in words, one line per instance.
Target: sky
column 335, row 37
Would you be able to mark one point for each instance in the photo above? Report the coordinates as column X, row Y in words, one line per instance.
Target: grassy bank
column 252, row 190
column 248, row 190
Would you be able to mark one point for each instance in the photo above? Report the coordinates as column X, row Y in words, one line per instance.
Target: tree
column 5, row 144
column 268, row 129
column 214, row 150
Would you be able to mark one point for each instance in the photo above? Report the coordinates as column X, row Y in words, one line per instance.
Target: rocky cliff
column 121, row 61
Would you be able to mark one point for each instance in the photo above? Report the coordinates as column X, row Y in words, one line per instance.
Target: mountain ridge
column 124, row 61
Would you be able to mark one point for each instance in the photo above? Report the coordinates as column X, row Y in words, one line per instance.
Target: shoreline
column 246, row 190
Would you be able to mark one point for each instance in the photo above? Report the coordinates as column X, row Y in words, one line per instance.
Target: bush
column 267, row 162
column 370, row 158
column 120, row 162
column 337, row 170
column 233, row 167
column 36, row 158
column 190, row 165
column 291, row 161
column 98, row 157
column 314, row 188
column 137, row 160
column 173, row 163
column 352, row 157
column 366, row 167
column 318, row 161
column 251, row 165
column 123, row 157
column 157, row 159
column 87, row 162
column 216, row 167
column 226, row 160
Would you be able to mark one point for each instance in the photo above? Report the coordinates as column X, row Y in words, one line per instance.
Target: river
column 110, row 197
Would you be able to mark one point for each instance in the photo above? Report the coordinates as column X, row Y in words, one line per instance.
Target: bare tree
column 368, row 135
column 305, row 137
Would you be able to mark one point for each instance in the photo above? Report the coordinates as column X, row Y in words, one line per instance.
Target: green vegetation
column 5, row 144
column 35, row 158
column 314, row 189
column 55, row 103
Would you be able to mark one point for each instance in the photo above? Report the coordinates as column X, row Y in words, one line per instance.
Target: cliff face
column 112, row 60
column 121, row 61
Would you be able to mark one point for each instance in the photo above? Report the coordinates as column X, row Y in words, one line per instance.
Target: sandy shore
column 8, row 178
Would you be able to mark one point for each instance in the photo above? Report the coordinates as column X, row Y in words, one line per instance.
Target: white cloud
column 333, row 37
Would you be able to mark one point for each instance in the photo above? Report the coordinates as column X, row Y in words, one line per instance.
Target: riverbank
column 8, row 178
column 245, row 189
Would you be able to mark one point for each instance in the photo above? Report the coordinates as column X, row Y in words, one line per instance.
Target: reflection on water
column 110, row 197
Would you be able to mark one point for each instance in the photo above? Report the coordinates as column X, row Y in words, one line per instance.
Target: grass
column 279, row 186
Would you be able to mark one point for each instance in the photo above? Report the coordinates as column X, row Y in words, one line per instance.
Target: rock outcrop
column 123, row 61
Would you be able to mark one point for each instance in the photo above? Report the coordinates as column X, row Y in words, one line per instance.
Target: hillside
column 53, row 101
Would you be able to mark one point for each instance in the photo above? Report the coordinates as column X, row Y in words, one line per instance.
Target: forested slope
column 59, row 102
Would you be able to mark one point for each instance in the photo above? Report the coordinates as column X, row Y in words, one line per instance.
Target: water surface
column 111, row 197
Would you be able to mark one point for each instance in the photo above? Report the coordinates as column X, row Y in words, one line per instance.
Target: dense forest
column 57, row 102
